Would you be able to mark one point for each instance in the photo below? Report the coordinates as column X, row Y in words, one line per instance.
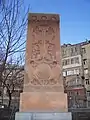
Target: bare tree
column 13, row 21
column 13, row 79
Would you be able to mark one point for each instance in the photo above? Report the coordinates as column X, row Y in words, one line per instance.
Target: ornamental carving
column 44, row 18
column 34, row 17
column 43, row 41
column 43, row 56
column 43, row 75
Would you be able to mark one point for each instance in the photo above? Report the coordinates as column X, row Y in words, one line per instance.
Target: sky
column 74, row 17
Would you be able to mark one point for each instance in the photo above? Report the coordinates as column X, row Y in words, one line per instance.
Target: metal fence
column 7, row 113
column 80, row 113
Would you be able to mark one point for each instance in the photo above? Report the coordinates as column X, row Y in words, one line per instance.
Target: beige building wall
column 76, row 63
column 72, row 74
column 71, row 61
column 86, row 65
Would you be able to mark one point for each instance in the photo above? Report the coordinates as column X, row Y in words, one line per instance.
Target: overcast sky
column 75, row 17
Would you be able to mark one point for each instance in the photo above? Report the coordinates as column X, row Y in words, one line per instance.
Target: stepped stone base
column 43, row 101
column 43, row 116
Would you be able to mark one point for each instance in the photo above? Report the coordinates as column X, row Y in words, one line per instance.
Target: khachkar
column 43, row 84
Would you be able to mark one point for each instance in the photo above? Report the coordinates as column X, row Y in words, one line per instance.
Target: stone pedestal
column 43, row 116
column 43, row 101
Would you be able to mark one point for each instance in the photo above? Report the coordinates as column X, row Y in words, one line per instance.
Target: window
column 87, row 81
column 0, row 93
column 88, row 103
column 64, row 73
column 84, row 61
column 63, row 63
column 83, row 50
column 88, row 93
column 70, row 72
column 77, row 80
column 66, row 62
column 64, row 52
column 75, row 49
column 76, row 71
column 73, row 82
column 68, row 83
column 72, row 51
column 72, row 60
column 77, row 60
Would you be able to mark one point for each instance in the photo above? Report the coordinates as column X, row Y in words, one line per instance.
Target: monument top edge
column 43, row 16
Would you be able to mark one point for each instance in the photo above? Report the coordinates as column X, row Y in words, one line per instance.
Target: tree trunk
column 10, row 98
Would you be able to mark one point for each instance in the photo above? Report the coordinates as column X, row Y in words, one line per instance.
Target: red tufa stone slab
column 43, row 85
column 43, row 101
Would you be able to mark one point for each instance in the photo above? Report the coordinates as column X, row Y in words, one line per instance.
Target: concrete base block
column 43, row 116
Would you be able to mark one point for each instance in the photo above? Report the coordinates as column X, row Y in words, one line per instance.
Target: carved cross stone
column 43, row 84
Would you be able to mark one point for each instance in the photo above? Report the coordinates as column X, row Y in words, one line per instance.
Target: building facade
column 76, row 93
column 86, row 67
column 73, row 74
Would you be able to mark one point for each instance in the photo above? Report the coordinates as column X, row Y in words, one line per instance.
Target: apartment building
column 71, row 61
column 86, row 67
column 73, row 74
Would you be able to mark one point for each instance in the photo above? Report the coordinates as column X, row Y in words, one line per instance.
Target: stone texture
column 43, row 62
column 40, row 101
column 43, row 84
column 43, row 116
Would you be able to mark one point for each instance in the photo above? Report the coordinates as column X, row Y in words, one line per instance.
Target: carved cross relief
column 43, row 56
column 43, row 45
